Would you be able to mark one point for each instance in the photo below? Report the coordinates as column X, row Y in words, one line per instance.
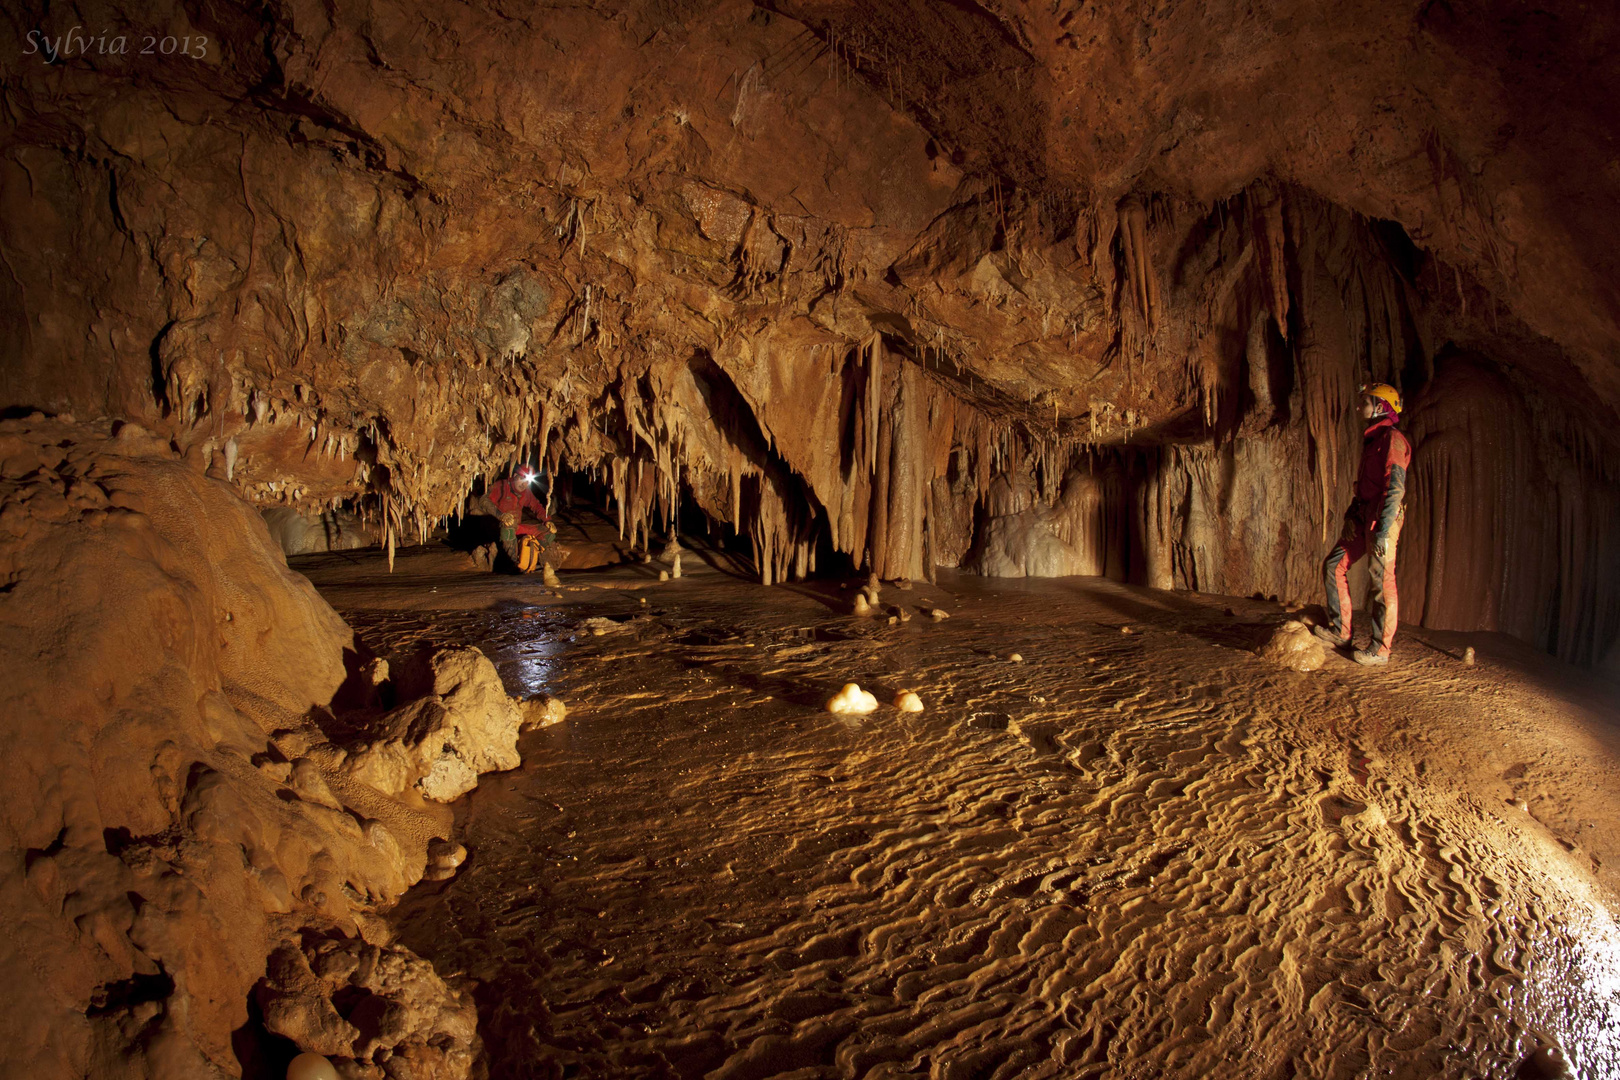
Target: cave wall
column 832, row 271
column 213, row 790
column 1513, row 517
column 150, row 857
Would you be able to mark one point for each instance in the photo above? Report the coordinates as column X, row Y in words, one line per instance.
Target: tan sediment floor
column 1145, row 854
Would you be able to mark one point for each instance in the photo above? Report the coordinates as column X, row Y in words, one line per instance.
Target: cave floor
column 1143, row 851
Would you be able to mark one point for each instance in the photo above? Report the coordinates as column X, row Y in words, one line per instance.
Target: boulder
column 168, row 772
column 376, row 1010
column 461, row 726
column 542, row 711
column 1294, row 646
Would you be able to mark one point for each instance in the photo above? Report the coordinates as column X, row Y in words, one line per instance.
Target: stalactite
column 1144, row 286
column 1271, row 238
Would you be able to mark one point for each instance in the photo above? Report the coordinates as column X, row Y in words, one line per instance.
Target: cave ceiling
column 434, row 234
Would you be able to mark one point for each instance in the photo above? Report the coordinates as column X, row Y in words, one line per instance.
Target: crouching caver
column 522, row 542
column 1372, row 527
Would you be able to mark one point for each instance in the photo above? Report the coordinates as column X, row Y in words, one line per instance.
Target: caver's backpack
column 529, row 554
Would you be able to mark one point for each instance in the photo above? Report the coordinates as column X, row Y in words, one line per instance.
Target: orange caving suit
column 1372, row 527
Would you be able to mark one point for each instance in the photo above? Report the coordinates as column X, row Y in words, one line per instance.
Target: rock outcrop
column 461, row 724
column 1294, row 646
column 176, row 807
column 300, row 533
column 381, row 1010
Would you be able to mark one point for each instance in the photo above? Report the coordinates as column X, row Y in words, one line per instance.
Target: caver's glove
column 551, row 526
column 1382, row 548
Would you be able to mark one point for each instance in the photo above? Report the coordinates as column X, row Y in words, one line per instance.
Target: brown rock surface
column 1070, row 288
column 459, row 724
column 174, row 807
column 397, row 1018
column 1294, row 646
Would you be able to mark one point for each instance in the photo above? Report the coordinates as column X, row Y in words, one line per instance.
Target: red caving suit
column 513, row 496
column 1372, row 527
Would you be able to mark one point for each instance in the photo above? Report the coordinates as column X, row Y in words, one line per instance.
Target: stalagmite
column 444, row 859
column 311, row 1067
column 852, row 700
column 1294, row 646
column 908, row 701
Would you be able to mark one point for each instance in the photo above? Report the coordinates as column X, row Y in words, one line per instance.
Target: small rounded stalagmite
column 852, row 701
column 311, row 1067
column 444, row 859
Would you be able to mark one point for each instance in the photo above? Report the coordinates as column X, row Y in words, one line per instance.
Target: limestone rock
column 444, row 859
column 311, row 1067
column 297, row 1006
column 464, row 725
column 170, row 766
column 300, row 532
column 1294, row 646
column 852, row 700
column 542, row 711
column 367, row 1004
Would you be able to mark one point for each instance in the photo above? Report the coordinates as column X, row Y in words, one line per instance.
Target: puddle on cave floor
column 1145, row 854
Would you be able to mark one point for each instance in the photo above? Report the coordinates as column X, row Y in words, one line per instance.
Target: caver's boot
column 1330, row 637
column 1370, row 657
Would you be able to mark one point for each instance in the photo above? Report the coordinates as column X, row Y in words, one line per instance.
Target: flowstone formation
column 190, row 733
column 1024, row 288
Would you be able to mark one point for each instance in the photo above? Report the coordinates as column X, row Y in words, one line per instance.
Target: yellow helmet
column 1384, row 392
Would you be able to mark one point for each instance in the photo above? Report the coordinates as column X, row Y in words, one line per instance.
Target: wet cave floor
column 1141, row 852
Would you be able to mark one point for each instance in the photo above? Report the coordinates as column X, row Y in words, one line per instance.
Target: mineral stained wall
column 1026, row 288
